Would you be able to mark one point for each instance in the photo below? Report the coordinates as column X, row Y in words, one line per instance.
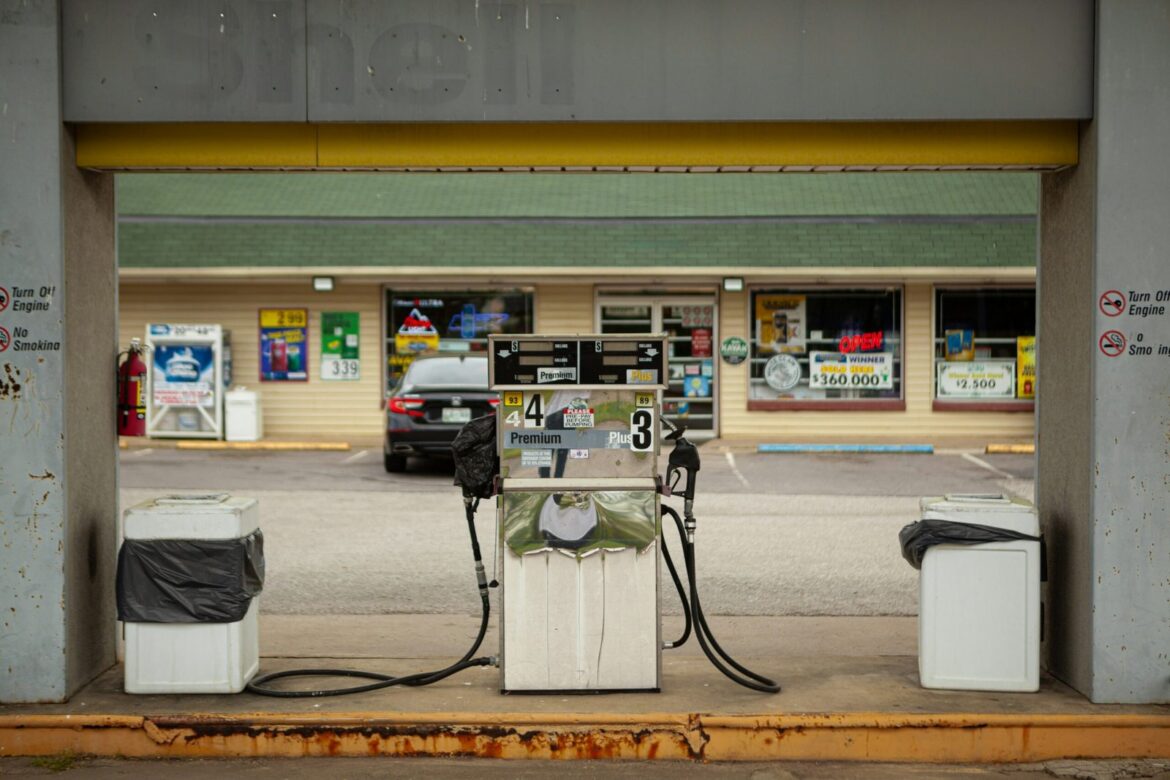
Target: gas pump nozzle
column 684, row 457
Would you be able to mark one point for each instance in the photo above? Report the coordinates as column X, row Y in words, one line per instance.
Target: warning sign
column 1112, row 343
column 1112, row 303
column 5, row 340
column 4, row 298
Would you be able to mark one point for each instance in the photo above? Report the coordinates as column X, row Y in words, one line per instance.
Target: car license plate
column 456, row 414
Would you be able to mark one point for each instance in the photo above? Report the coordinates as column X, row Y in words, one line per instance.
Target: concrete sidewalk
column 850, row 693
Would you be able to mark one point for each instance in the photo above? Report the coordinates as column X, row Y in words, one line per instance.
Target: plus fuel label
column 1139, row 327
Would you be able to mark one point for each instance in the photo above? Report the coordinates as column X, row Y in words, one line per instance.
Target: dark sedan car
column 436, row 397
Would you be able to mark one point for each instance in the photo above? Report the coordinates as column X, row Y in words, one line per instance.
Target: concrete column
column 58, row 492
column 1104, row 369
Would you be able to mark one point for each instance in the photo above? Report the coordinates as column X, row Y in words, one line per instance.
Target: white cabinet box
column 244, row 419
column 979, row 605
column 192, row 657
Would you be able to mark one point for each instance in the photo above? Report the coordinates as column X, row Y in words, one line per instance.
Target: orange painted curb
column 892, row 737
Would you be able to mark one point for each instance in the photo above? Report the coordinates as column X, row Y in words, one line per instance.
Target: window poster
column 781, row 323
column 1026, row 367
column 284, row 341
column 448, row 321
column 339, row 346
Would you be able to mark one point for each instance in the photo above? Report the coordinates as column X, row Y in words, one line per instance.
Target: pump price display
column 585, row 361
column 851, row 371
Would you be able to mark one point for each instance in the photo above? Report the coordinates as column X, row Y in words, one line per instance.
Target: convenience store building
column 873, row 308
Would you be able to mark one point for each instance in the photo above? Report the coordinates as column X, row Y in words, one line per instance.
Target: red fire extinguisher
column 132, row 392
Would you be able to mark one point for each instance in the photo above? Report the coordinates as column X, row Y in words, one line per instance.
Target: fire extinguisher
column 132, row 392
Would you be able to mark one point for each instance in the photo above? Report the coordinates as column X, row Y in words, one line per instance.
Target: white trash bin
column 979, row 605
column 193, row 657
column 244, row 419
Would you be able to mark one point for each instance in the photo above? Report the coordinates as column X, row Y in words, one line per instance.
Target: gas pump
column 572, row 458
column 579, row 516
column 578, row 511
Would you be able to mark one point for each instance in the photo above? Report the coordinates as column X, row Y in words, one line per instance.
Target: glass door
column 689, row 324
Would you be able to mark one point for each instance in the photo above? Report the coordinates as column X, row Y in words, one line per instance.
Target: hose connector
column 481, row 576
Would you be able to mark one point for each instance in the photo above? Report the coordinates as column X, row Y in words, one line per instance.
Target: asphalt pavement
column 779, row 535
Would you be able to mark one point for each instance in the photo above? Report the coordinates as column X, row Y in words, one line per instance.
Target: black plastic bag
column 919, row 537
column 189, row 580
column 476, row 461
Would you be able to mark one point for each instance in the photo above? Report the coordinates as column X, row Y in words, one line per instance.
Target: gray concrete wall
column 463, row 60
column 1064, row 410
column 91, row 455
column 1131, row 422
column 1104, row 417
column 57, row 499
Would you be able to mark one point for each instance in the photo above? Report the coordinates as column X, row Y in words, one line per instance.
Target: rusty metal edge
column 951, row 737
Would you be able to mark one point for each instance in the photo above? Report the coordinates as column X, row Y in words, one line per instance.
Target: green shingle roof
column 575, row 195
column 576, row 220
column 766, row 244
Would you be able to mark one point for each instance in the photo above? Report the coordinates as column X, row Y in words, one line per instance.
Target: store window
column 985, row 348
column 448, row 321
column 826, row 348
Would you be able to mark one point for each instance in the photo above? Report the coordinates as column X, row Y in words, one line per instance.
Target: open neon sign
column 861, row 342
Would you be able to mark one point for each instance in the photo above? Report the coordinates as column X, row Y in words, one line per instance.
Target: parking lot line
column 735, row 470
column 986, row 465
column 356, row 456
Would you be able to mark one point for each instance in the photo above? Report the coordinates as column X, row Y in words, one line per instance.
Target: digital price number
column 826, row 380
column 340, row 369
column 975, row 384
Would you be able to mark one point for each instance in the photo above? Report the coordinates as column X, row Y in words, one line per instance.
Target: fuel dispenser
column 578, row 511
column 572, row 457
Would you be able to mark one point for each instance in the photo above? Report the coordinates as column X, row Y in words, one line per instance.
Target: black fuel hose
column 711, row 647
column 259, row 684
column 678, row 586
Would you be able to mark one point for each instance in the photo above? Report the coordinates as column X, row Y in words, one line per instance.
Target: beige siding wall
column 918, row 423
column 313, row 410
column 352, row 410
column 564, row 309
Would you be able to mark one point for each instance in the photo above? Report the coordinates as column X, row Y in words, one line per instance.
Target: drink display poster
column 184, row 375
column 284, row 345
column 339, row 346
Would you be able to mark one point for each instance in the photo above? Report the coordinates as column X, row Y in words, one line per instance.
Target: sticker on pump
column 533, row 410
column 644, row 399
column 642, row 430
column 578, row 414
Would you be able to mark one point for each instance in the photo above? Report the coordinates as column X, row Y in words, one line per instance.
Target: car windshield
column 452, row 372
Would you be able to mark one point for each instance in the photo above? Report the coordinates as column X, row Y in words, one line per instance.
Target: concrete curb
column 267, row 446
column 904, row 449
column 271, row 445
column 1010, row 449
column 856, row 736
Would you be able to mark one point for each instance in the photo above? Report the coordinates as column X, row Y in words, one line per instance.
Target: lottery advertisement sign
column 284, row 345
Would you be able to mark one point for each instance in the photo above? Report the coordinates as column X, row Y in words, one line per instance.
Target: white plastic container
column 193, row 657
column 244, row 419
column 979, row 605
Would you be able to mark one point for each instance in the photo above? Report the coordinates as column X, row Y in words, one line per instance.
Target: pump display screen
column 639, row 362
column 578, row 361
